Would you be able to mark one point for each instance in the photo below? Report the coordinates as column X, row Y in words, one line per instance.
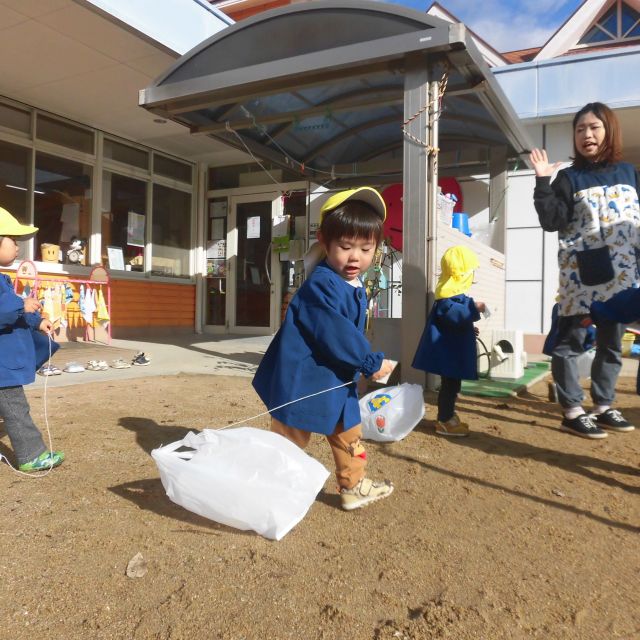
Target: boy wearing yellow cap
column 321, row 345
column 448, row 343
column 22, row 351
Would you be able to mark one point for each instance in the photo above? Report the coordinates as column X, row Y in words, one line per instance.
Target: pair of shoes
column 97, row 365
column 583, row 426
column 364, row 492
column 44, row 461
column 49, row 370
column 140, row 359
column 611, row 419
column 73, row 367
column 452, row 427
column 119, row 363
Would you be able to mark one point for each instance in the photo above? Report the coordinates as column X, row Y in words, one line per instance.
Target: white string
column 46, row 422
column 264, row 413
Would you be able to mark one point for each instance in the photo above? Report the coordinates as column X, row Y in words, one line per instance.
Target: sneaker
column 119, row 363
column 44, row 461
column 49, row 370
column 583, row 426
column 73, row 367
column 364, row 492
column 141, row 360
column 612, row 419
column 92, row 365
column 452, row 427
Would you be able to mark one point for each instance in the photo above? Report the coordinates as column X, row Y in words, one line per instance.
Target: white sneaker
column 364, row 492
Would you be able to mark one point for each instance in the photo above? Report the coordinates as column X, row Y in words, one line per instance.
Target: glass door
column 254, row 271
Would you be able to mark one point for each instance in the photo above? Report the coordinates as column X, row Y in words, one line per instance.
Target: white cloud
column 510, row 24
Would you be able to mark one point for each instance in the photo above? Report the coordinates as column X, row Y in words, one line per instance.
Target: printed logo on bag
column 377, row 402
column 380, row 423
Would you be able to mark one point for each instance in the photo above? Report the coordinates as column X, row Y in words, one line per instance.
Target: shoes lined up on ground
column 140, row 359
column 49, row 370
column 97, row 365
column 452, row 427
column 73, row 367
column 365, row 492
column 583, row 426
column 44, row 461
column 613, row 420
column 119, row 363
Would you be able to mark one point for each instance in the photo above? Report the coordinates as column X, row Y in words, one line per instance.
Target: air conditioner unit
column 508, row 357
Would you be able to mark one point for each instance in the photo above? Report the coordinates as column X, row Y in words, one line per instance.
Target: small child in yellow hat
column 448, row 343
column 22, row 351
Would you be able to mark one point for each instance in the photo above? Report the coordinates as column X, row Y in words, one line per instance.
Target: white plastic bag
column 391, row 413
column 245, row 478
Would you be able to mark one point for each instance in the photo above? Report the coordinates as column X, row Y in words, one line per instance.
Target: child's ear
column 320, row 238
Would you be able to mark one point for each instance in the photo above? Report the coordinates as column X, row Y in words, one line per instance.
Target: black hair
column 353, row 219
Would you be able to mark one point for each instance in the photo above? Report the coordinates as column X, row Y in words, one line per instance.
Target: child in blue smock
column 22, row 351
column 448, row 343
column 321, row 345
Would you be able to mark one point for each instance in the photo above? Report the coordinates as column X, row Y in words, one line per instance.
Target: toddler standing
column 321, row 344
column 448, row 343
column 22, row 351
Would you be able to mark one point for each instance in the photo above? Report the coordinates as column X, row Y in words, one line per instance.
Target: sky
column 506, row 25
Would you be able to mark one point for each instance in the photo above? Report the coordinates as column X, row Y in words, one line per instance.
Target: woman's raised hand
column 541, row 164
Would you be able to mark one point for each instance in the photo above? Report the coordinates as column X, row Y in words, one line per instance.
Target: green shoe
column 44, row 461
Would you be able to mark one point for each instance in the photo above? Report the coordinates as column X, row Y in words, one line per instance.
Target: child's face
column 349, row 257
column 8, row 251
column 589, row 136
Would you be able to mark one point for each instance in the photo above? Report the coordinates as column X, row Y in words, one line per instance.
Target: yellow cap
column 368, row 195
column 9, row 226
column 458, row 264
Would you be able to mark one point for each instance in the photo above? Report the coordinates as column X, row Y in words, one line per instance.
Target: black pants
column 449, row 390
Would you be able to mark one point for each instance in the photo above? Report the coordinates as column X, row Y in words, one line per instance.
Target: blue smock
column 320, row 345
column 22, row 347
column 448, row 343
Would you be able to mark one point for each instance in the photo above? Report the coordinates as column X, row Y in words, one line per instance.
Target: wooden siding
column 152, row 304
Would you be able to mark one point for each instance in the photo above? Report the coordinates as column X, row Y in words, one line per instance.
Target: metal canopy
column 319, row 87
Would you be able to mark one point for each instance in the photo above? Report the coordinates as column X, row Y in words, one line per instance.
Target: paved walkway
column 197, row 354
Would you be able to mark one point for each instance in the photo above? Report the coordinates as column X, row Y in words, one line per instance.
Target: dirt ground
column 519, row 531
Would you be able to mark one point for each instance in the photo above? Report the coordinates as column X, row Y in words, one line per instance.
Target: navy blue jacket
column 623, row 307
column 22, row 347
column 448, row 343
column 320, row 344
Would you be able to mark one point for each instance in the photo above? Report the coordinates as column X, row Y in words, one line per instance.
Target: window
column 14, row 184
column 123, row 218
column 62, row 204
column 619, row 22
column 14, row 118
column 124, row 153
column 171, row 168
column 65, row 134
column 171, row 232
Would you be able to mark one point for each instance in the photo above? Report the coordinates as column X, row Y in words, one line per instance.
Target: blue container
column 460, row 221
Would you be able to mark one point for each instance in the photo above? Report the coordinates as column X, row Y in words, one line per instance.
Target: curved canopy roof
column 320, row 86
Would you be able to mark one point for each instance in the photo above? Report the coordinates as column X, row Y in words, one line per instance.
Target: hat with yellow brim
column 9, row 226
column 458, row 264
column 368, row 195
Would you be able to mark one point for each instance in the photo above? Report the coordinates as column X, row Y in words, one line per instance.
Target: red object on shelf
column 392, row 197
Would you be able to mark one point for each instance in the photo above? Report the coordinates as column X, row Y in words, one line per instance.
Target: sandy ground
column 519, row 531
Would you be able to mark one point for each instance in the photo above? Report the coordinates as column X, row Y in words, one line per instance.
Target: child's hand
column 31, row 305
column 481, row 307
column 46, row 326
column 541, row 164
column 385, row 369
column 476, row 331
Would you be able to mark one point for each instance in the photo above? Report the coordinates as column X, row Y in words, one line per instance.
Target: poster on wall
column 135, row 229
column 216, row 249
column 116, row 258
column 253, row 227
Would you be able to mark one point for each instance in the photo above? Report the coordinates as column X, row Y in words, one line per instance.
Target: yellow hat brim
column 9, row 226
column 367, row 195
